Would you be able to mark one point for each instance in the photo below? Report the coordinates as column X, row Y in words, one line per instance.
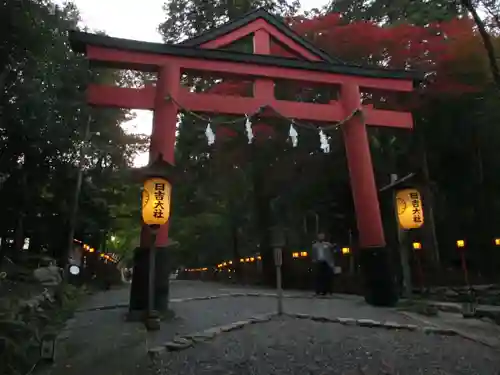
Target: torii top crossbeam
column 303, row 62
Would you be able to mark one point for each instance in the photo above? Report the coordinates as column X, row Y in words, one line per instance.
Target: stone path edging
column 376, row 324
column 458, row 332
column 107, row 307
column 187, row 341
column 216, row 296
column 250, row 294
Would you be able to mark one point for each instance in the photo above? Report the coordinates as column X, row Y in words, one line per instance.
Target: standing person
column 322, row 257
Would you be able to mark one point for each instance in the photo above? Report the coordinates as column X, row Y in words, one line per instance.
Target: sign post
column 278, row 261
column 278, row 242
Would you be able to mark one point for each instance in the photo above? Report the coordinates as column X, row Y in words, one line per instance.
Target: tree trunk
column 19, row 229
column 488, row 45
column 236, row 250
column 263, row 213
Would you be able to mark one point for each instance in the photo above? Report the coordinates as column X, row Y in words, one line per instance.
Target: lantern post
column 417, row 248
column 409, row 216
column 346, row 251
column 156, row 196
column 469, row 306
column 463, row 261
column 408, row 213
column 404, row 218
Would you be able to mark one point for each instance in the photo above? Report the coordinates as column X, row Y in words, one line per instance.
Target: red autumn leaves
column 450, row 50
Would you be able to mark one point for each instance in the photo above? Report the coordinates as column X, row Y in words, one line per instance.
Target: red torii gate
column 303, row 62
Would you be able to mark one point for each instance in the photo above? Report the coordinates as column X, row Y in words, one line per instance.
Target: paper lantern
column 409, row 206
column 156, row 201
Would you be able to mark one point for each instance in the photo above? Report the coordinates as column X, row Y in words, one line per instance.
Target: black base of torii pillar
column 138, row 302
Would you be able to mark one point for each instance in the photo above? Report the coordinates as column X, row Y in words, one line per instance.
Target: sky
column 132, row 19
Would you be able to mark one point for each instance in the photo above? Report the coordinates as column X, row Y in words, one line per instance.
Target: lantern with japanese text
column 409, row 206
column 157, row 178
column 156, row 201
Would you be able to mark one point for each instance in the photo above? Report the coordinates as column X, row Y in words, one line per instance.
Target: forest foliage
column 231, row 192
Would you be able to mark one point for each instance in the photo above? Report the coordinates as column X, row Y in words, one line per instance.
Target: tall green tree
column 43, row 121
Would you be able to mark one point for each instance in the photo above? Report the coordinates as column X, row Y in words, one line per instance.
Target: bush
column 22, row 325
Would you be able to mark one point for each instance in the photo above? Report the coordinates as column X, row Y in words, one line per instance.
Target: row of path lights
column 468, row 307
column 75, row 270
column 346, row 251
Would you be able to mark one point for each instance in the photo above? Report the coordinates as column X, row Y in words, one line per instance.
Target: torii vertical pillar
column 380, row 287
column 162, row 142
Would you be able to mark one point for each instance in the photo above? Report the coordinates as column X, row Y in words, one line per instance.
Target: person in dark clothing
column 322, row 257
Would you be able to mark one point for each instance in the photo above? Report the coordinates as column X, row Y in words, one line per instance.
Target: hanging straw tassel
column 325, row 145
column 293, row 135
column 210, row 135
column 248, row 128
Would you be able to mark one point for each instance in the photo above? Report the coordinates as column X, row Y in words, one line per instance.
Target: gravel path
column 195, row 316
column 290, row 346
column 99, row 342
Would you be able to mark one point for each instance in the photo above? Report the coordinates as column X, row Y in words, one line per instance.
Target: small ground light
column 259, row 257
column 295, row 255
column 303, row 253
column 346, row 250
column 242, row 260
column 252, row 259
column 247, row 260
column 417, row 246
column 230, row 262
column 497, row 241
column 74, row 270
column 460, row 243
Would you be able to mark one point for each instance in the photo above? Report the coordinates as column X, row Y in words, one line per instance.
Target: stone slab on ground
column 293, row 346
column 356, row 309
column 457, row 307
column 474, row 329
